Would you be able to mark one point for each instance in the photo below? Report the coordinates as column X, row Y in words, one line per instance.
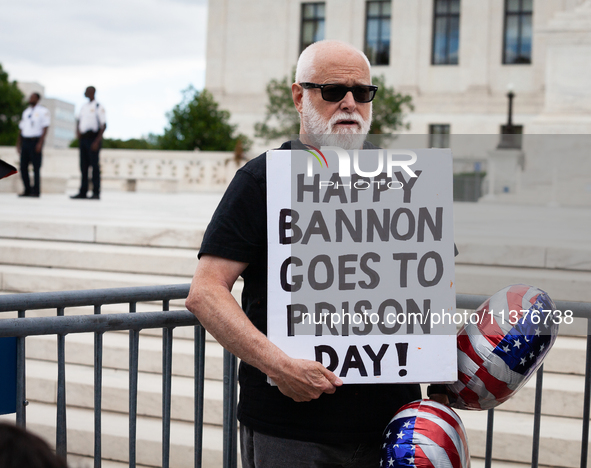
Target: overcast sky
column 139, row 54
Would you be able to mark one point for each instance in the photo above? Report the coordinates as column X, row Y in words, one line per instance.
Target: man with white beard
column 336, row 109
column 309, row 418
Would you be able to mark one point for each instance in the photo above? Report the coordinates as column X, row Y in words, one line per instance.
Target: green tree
column 282, row 120
column 389, row 108
column 281, row 117
column 196, row 122
column 12, row 105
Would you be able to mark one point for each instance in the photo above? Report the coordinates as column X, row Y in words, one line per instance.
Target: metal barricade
column 62, row 325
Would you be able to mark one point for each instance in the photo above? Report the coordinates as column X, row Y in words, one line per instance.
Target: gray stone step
column 567, row 356
column 23, row 279
column 470, row 279
column 524, row 253
column 42, row 387
column 559, row 284
column 473, row 251
column 80, row 350
column 166, row 234
column 98, row 257
column 479, row 463
column 562, row 395
column 78, row 461
column 115, row 433
column 165, row 220
column 563, row 383
column 36, row 279
column 560, row 438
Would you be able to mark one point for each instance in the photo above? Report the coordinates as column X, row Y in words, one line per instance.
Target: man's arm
column 99, row 138
column 211, row 301
column 39, row 145
column 19, row 142
column 438, row 393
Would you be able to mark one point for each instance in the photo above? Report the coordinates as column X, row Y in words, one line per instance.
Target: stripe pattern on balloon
column 425, row 434
column 497, row 356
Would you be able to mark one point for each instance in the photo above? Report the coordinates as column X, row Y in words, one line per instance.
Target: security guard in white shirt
column 33, row 129
column 90, row 127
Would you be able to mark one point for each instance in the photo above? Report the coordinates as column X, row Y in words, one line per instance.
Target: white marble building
column 457, row 58
column 63, row 118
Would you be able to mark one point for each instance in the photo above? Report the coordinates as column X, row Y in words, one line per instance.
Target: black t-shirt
column 354, row 413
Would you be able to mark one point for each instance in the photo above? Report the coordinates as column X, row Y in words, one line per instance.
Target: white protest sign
column 361, row 262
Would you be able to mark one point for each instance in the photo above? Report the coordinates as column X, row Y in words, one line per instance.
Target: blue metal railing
column 167, row 320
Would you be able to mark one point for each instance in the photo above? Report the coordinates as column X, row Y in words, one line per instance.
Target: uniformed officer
column 90, row 127
column 33, row 128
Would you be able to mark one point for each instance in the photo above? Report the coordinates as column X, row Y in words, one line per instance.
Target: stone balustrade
column 133, row 170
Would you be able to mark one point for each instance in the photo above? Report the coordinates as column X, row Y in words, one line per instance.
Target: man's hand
column 39, row 145
column 304, row 380
column 440, row 398
column 212, row 303
column 95, row 145
column 438, row 393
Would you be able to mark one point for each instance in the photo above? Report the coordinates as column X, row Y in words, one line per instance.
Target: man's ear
column 297, row 93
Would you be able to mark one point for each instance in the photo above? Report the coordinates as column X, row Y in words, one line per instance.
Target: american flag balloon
column 425, row 434
column 515, row 329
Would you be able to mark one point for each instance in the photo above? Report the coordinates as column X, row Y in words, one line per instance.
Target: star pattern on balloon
column 412, row 436
column 496, row 357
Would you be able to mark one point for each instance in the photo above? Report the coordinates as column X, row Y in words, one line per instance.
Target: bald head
column 321, row 56
column 328, row 122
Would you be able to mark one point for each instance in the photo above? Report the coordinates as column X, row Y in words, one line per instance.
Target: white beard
column 322, row 133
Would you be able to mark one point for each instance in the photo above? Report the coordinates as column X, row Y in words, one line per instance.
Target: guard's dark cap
column 6, row 169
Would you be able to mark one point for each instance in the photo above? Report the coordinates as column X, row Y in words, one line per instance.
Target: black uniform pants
column 29, row 155
column 88, row 159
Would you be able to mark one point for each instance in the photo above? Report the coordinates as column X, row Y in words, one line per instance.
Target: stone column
column 567, row 101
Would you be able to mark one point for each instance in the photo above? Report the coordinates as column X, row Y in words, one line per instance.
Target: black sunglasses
column 336, row 92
